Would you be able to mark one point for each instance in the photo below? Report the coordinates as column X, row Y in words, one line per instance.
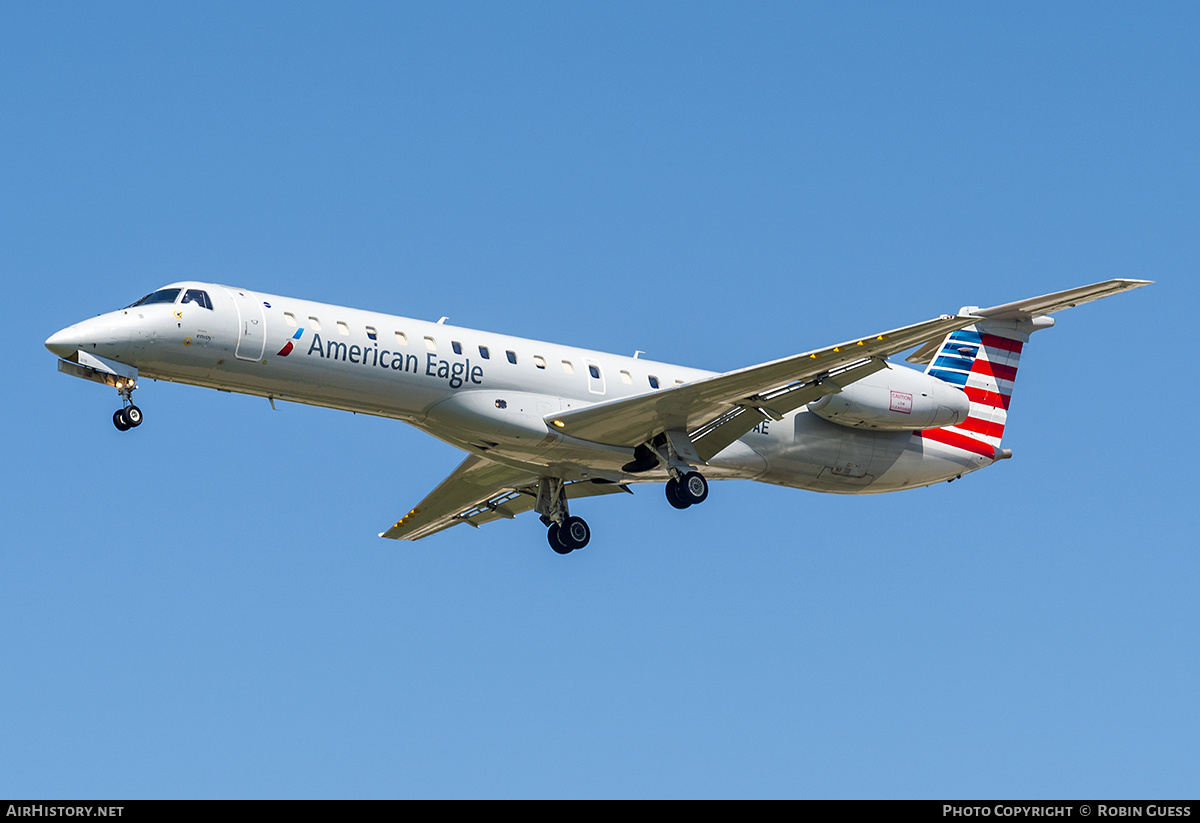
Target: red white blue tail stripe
column 983, row 365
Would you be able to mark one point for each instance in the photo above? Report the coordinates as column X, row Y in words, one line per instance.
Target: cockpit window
column 160, row 296
column 200, row 298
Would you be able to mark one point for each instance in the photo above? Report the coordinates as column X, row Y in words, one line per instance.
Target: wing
column 480, row 491
column 717, row 410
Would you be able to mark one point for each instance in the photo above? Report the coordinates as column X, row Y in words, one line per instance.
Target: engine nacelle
column 895, row 399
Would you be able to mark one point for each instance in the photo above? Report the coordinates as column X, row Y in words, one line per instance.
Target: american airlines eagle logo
column 287, row 347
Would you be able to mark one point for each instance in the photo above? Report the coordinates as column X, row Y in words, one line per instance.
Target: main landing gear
column 574, row 533
column 128, row 416
column 674, row 451
column 564, row 533
column 687, row 490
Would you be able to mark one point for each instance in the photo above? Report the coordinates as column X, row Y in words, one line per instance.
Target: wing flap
column 714, row 437
column 508, row 505
column 474, row 483
column 482, row 491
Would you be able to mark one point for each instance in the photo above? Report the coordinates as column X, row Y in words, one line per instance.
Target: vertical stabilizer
column 982, row 360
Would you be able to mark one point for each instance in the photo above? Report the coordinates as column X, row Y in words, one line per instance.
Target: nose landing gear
column 128, row 416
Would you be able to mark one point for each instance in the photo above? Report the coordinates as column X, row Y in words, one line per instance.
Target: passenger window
column 594, row 371
column 430, row 344
column 454, row 344
column 512, row 357
column 401, row 339
column 289, row 318
column 539, row 361
column 567, row 367
column 200, row 298
column 626, row 378
column 343, row 329
column 653, row 382
column 314, row 324
column 371, row 333
column 484, row 353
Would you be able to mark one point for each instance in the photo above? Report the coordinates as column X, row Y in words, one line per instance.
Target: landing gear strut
column 128, row 416
column 565, row 533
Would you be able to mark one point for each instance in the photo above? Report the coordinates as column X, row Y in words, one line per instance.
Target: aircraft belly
column 738, row 460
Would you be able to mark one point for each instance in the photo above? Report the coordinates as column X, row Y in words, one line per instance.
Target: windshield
column 199, row 297
column 160, row 296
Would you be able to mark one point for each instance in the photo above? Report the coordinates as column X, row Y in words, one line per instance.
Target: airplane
column 546, row 425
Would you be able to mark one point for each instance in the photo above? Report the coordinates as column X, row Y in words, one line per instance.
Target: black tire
column 675, row 496
column 575, row 533
column 693, row 488
column 133, row 416
column 121, row 421
column 552, row 537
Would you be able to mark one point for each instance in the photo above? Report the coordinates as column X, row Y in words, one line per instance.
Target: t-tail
column 982, row 360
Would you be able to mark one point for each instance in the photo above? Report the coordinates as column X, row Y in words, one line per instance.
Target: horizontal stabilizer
column 1050, row 303
column 1029, row 308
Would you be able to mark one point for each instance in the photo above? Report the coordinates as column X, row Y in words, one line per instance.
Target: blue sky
column 201, row 608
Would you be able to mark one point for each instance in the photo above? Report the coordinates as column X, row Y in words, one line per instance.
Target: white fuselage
column 486, row 393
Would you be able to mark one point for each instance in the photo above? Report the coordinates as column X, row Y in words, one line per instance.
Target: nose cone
column 66, row 342
column 104, row 335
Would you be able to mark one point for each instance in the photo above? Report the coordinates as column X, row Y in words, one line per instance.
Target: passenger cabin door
column 252, row 325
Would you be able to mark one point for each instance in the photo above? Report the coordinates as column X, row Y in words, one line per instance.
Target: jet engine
column 895, row 399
